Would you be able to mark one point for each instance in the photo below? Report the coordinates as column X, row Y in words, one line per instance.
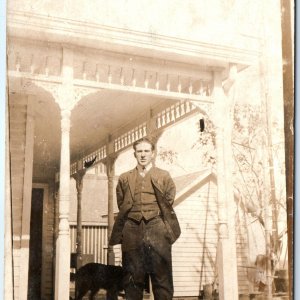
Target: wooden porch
column 88, row 98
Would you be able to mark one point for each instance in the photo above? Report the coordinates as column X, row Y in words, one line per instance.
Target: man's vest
column 144, row 202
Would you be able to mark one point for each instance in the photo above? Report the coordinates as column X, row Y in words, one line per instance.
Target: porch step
column 260, row 296
column 102, row 295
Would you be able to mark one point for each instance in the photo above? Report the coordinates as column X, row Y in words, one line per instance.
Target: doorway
column 35, row 245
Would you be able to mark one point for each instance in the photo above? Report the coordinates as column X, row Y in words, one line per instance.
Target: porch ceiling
column 93, row 119
column 103, row 114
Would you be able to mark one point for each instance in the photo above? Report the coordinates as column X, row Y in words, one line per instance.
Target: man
column 146, row 225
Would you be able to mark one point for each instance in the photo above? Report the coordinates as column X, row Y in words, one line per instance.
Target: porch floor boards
column 282, row 296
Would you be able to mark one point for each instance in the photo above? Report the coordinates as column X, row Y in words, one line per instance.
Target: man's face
column 143, row 154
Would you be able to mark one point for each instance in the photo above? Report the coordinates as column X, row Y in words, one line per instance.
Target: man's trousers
column 147, row 250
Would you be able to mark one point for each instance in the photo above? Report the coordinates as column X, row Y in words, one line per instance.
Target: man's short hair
column 144, row 140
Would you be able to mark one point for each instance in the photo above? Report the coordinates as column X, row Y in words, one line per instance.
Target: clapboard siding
column 242, row 252
column 194, row 252
column 48, row 242
column 118, row 255
column 94, row 241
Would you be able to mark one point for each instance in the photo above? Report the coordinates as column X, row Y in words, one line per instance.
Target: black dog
column 93, row 277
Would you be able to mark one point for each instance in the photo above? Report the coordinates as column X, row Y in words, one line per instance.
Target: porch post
column 62, row 270
column 78, row 176
column 110, row 169
column 228, row 284
column 229, row 89
column 8, row 252
column 27, row 190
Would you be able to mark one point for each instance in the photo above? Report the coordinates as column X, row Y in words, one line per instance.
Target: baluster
column 122, row 141
column 191, row 87
column 116, row 145
column 121, row 77
column 177, row 111
column 158, row 121
column 172, row 113
column 104, row 152
column 140, row 132
column 46, row 66
column 187, row 106
column 97, row 75
column 146, row 81
column 168, row 83
column 129, row 137
column 126, row 139
column 207, row 90
column 168, row 116
column 144, row 129
column 136, row 133
column 109, row 76
column 132, row 136
column 84, row 71
column 119, row 143
column 32, row 64
column 163, row 120
column 133, row 79
column 182, row 111
column 201, row 88
column 179, row 85
column 156, row 81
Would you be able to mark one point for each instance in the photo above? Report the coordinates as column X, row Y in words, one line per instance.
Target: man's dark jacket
column 164, row 189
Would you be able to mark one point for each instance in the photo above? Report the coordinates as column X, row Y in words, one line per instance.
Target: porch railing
column 94, row 242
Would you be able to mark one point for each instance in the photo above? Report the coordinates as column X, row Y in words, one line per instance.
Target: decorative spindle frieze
column 151, row 78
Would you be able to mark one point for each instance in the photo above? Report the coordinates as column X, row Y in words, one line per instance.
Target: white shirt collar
column 147, row 168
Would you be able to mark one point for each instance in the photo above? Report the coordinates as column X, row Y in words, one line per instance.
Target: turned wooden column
column 227, row 263
column 62, row 271
column 78, row 176
column 110, row 169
